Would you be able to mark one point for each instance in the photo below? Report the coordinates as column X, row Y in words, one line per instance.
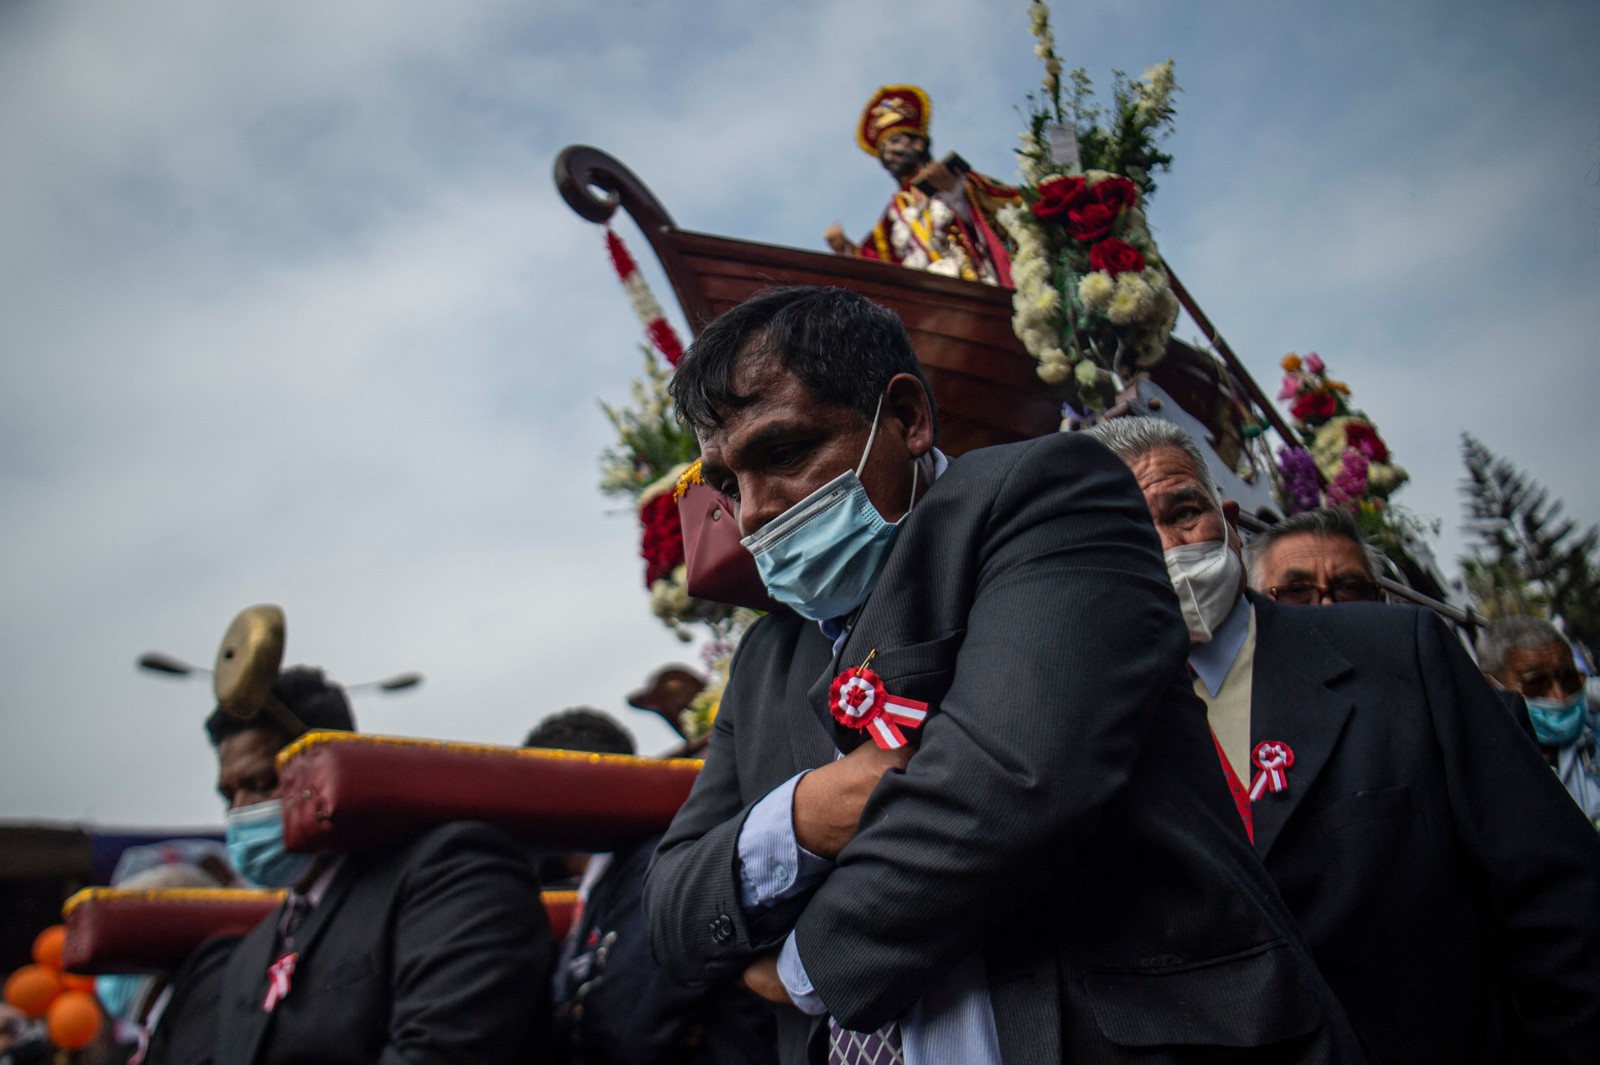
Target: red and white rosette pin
column 859, row 700
column 279, row 975
column 1273, row 759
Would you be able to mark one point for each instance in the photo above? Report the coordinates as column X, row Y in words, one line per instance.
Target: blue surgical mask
column 254, row 836
column 119, row 994
column 822, row 555
column 1557, row 722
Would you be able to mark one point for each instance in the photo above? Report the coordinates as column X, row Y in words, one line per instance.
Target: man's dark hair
column 581, row 728
column 306, row 692
column 1321, row 522
column 843, row 347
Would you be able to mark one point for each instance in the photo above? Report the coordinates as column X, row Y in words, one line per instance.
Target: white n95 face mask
column 1206, row 578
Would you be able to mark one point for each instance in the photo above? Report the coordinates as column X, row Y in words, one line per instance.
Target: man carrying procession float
column 1021, row 744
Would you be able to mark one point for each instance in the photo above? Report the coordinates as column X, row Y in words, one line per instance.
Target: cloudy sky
column 290, row 311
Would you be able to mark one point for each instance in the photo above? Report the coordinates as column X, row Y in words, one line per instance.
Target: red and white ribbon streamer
column 651, row 316
column 1273, row 757
column 279, row 975
column 859, row 700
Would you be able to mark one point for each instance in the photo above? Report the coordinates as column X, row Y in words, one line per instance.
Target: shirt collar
column 836, row 629
column 1211, row 661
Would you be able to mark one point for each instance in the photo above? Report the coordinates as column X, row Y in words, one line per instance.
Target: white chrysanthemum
column 1125, row 307
column 1133, row 281
column 1096, row 289
column 1053, row 373
column 1030, row 271
column 1087, row 374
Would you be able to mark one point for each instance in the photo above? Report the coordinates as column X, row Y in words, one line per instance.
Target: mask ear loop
column 870, row 437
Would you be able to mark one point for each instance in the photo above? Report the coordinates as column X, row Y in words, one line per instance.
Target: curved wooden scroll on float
column 986, row 386
column 344, row 791
column 114, row 930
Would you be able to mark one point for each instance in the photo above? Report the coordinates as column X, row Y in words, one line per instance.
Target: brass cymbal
column 248, row 661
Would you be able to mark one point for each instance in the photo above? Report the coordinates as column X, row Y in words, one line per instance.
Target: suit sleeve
column 1072, row 638
column 1536, row 855
column 634, row 1011
column 186, row 1033
column 698, row 929
column 472, row 954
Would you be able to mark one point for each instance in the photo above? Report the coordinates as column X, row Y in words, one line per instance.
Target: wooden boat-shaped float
column 984, row 382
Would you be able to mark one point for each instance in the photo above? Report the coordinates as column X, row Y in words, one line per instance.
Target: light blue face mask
column 254, row 836
column 119, row 993
column 1557, row 722
column 822, row 555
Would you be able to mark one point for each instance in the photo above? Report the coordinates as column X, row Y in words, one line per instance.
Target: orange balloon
column 32, row 988
column 76, row 982
column 74, row 1019
column 47, row 946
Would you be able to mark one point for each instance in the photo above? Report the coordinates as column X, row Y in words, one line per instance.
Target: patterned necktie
column 882, row 1047
column 294, row 914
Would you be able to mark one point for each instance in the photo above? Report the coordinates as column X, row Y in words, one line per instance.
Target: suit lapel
column 311, row 927
column 255, row 954
column 806, row 700
column 1291, row 700
column 261, row 949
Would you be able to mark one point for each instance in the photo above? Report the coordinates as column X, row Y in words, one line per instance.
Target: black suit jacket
column 1448, row 885
column 433, row 951
column 1064, row 815
column 626, row 1010
column 186, row 1032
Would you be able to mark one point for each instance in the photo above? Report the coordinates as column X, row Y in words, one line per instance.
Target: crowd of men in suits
column 1042, row 763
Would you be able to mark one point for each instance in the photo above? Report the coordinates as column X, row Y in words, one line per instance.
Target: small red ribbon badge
column 278, row 976
column 1274, row 757
column 859, row 700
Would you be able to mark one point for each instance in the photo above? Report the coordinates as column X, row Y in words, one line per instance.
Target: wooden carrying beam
column 112, row 930
column 347, row 792
column 115, row 930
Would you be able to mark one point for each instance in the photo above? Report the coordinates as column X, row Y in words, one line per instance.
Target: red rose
column 1313, row 407
column 1115, row 257
column 1091, row 222
column 661, row 546
column 1057, row 195
column 1365, row 439
column 1116, row 193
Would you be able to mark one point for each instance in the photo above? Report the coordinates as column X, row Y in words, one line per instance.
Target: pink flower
column 1314, row 364
column 1291, row 387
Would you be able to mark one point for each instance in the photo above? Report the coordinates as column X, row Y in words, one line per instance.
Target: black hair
column 1321, row 522
column 581, row 728
column 306, row 692
column 843, row 347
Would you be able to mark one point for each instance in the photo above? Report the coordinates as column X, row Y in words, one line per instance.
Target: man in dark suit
column 1055, row 875
column 433, row 950
column 614, row 1004
column 1448, row 888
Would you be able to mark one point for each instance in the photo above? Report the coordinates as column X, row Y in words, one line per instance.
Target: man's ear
column 1230, row 519
column 906, row 401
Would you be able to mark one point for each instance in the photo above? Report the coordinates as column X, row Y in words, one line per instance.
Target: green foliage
column 1122, row 140
column 1128, row 144
column 1529, row 559
column 650, row 438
